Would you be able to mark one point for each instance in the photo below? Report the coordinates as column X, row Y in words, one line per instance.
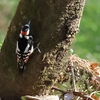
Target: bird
column 24, row 47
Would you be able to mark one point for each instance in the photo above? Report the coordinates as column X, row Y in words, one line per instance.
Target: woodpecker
column 24, row 46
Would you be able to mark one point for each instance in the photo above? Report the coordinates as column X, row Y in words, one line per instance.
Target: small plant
column 1, row 42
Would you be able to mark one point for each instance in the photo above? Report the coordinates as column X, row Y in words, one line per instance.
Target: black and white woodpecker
column 24, row 46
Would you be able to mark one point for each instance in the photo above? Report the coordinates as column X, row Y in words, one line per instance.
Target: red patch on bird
column 23, row 33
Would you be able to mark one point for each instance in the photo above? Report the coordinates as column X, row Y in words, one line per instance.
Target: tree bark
column 54, row 24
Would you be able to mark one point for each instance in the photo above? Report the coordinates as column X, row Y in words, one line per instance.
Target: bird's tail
column 21, row 66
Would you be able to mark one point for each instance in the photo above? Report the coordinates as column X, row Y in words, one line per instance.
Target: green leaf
column 23, row 98
column 98, row 94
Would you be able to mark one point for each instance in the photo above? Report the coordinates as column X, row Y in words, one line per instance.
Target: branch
column 75, row 93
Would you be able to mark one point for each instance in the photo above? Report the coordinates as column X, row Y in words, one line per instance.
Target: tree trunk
column 54, row 23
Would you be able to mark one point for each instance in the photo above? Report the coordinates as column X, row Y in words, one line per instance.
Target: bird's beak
column 29, row 22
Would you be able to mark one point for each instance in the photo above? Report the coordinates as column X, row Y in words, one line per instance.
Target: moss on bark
column 54, row 23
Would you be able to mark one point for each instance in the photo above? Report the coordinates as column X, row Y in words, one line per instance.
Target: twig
column 73, row 76
column 76, row 93
column 62, row 91
column 37, row 47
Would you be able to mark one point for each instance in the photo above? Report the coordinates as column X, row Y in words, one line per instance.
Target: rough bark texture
column 53, row 23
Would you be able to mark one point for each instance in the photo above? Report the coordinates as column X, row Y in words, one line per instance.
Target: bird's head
column 25, row 29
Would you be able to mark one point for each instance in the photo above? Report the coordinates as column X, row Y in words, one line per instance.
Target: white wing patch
column 32, row 50
column 17, row 49
column 27, row 37
column 20, row 35
column 27, row 48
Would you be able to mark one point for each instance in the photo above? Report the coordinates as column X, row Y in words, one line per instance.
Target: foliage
column 7, row 10
column 87, row 44
column 22, row 98
column 80, row 75
column 98, row 94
